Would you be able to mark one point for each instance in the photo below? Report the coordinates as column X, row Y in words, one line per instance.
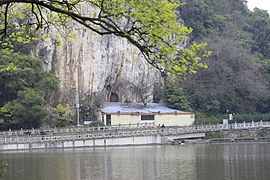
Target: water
column 190, row 162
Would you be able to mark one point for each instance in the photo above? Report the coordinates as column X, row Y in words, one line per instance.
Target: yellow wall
column 175, row 119
column 166, row 119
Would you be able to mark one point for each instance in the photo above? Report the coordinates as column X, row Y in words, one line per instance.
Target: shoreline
column 222, row 141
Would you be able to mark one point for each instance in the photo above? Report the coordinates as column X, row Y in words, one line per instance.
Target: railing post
column 16, row 138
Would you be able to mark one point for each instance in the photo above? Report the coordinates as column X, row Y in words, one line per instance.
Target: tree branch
column 4, row 32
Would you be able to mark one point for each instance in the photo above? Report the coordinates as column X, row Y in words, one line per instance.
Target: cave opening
column 114, row 97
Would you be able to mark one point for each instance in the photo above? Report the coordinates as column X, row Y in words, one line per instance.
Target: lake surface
column 172, row 162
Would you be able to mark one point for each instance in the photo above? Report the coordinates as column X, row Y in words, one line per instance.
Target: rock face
column 105, row 65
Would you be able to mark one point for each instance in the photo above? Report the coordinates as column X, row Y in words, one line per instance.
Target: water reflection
column 233, row 161
column 194, row 162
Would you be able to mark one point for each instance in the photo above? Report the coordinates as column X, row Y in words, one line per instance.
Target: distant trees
column 22, row 86
column 231, row 82
column 237, row 78
column 258, row 25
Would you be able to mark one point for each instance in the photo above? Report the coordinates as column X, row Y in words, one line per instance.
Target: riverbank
column 220, row 141
column 257, row 135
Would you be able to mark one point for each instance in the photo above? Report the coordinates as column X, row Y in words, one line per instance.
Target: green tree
column 231, row 82
column 214, row 17
column 258, row 25
column 19, row 72
column 23, row 84
column 26, row 111
column 176, row 97
column 151, row 25
column 237, row 77
column 60, row 116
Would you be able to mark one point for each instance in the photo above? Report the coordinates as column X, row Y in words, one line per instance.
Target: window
column 147, row 117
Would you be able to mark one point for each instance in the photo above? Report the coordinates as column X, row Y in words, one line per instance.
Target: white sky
column 262, row 4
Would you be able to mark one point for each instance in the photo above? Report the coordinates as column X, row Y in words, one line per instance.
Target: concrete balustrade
column 82, row 134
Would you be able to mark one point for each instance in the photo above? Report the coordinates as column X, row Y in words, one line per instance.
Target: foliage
column 237, row 77
column 89, row 105
column 239, row 118
column 176, row 97
column 26, row 111
column 151, row 25
column 202, row 118
column 213, row 17
column 258, row 25
column 158, row 93
column 2, row 168
column 96, row 124
column 22, row 85
column 212, row 135
column 232, row 82
column 60, row 117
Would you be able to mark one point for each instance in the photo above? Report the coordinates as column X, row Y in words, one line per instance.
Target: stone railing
column 85, row 133
column 72, row 130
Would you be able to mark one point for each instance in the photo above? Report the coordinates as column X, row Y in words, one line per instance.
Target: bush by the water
column 202, row 118
column 239, row 118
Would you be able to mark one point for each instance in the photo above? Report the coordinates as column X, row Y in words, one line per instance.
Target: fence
column 85, row 133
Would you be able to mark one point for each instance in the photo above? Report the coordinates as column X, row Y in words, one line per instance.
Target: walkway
column 131, row 130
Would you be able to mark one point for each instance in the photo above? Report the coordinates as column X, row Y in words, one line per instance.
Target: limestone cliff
column 96, row 64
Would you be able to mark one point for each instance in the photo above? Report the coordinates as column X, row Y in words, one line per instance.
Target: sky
column 262, row 4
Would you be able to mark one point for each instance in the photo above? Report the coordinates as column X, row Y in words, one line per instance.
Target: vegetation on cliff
column 152, row 26
column 237, row 77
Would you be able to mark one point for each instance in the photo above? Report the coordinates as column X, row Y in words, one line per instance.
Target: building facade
column 133, row 113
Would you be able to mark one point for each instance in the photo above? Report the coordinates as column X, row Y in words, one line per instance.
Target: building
column 132, row 113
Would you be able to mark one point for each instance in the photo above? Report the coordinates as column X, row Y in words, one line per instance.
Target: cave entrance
column 114, row 97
